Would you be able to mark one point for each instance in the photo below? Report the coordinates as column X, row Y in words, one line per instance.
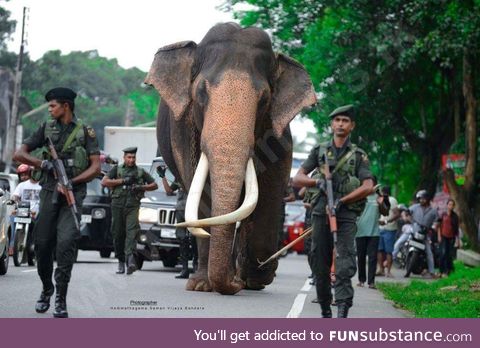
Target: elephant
column 223, row 119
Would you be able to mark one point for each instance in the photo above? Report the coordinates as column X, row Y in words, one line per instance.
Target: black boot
column 185, row 272
column 131, row 264
column 326, row 310
column 121, row 267
column 43, row 303
column 61, row 302
column 342, row 308
column 184, row 259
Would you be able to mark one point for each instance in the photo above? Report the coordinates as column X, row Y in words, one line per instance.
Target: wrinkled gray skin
column 232, row 98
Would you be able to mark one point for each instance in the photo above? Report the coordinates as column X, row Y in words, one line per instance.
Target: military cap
column 132, row 149
column 346, row 110
column 60, row 93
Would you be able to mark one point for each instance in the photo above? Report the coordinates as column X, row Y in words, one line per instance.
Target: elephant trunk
column 226, row 182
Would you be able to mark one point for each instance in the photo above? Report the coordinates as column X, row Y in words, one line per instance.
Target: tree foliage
column 7, row 26
column 103, row 87
column 398, row 61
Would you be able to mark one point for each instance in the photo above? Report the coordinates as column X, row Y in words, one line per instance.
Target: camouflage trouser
column 345, row 264
column 125, row 228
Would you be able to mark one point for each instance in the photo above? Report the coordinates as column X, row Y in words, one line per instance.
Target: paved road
column 96, row 291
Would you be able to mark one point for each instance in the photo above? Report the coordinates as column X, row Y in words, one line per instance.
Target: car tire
column 170, row 260
column 139, row 260
column 105, row 253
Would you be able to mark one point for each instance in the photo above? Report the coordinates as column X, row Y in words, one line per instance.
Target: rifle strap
column 343, row 160
column 72, row 136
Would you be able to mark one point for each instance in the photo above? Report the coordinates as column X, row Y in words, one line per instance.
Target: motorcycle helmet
column 422, row 194
column 23, row 168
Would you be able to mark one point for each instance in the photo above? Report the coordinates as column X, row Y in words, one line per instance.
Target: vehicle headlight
column 23, row 212
column 99, row 213
column 147, row 215
column 419, row 236
column 143, row 238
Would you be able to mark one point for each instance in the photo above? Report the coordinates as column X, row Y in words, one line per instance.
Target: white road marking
column 306, row 287
column 29, row 270
column 297, row 306
column 299, row 301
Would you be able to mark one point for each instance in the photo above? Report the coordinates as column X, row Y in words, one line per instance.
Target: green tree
column 103, row 87
column 399, row 61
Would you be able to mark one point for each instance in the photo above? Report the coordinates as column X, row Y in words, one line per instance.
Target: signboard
column 456, row 162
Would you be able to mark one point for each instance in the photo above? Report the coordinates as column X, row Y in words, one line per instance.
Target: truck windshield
column 94, row 188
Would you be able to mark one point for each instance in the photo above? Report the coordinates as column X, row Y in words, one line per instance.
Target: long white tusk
column 194, row 196
column 247, row 207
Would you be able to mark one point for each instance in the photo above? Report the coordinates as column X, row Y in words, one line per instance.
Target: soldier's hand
column 128, row 180
column 337, row 204
column 137, row 187
column 161, row 171
column 321, row 185
column 47, row 165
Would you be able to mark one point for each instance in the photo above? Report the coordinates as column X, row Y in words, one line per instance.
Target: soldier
column 182, row 234
column 128, row 183
column 351, row 184
column 77, row 146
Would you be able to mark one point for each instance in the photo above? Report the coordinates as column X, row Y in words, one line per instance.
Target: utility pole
column 12, row 125
column 128, row 114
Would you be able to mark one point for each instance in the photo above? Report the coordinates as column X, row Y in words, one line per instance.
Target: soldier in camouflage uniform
column 77, row 147
column 352, row 182
column 128, row 184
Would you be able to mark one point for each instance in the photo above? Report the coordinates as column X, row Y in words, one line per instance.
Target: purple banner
column 185, row 333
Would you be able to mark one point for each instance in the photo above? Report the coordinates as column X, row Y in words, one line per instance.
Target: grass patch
column 457, row 296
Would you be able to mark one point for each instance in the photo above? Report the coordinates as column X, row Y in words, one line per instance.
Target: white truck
column 118, row 138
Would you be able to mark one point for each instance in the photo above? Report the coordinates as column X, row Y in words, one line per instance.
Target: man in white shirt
column 388, row 229
column 28, row 191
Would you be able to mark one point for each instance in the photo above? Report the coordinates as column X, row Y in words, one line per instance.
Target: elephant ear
column 293, row 91
column 170, row 74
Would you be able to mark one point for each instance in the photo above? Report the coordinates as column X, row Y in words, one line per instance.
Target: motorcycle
column 416, row 257
column 23, row 247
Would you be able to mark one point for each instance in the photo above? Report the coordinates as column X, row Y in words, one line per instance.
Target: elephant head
column 218, row 98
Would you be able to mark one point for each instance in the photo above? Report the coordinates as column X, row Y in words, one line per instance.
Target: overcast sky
column 130, row 31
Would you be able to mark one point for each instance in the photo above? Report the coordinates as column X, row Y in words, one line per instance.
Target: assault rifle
column 331, row 209
column 61, row 176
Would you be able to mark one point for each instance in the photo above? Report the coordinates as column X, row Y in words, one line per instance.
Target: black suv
column 157, row 240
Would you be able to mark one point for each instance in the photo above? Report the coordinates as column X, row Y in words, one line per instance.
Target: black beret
column 132, row 149
column 60, row 93
column 346, row 110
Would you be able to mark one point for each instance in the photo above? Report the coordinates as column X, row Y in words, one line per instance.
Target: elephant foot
column 230, row 288
column 198, row 282
column 257, row 279
column 253, row 284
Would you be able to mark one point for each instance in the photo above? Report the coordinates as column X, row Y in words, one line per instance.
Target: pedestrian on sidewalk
column 367, row 238
column 448, row 236
column 388, row 230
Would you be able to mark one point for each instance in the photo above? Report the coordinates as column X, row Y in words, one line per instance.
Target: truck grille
column 166, row 216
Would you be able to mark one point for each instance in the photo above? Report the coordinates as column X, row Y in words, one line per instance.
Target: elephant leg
column 262, row 240
column 263, row 233
column 199, row 280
